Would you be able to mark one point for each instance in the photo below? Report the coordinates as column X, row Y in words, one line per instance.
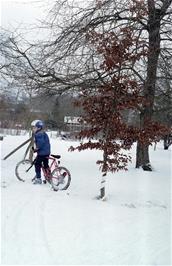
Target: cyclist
column 42, row 147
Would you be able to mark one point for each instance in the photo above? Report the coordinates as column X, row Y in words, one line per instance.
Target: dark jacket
column 42, row 143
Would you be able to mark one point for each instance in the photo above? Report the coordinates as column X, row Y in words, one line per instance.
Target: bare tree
column 156, row 13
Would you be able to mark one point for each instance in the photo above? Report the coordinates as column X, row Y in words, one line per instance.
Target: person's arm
column 39, row 141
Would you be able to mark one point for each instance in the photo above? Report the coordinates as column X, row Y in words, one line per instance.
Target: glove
column 34, row 150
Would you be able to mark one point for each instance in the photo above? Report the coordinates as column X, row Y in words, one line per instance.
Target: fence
column 22, row 132
column 13, row 132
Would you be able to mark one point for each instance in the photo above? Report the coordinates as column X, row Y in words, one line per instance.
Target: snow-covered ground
column 43, row 227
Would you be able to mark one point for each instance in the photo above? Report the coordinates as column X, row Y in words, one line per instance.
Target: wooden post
column 16, row 149
column 29, row 148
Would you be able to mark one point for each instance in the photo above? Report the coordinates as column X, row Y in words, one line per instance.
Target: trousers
column 41, row 159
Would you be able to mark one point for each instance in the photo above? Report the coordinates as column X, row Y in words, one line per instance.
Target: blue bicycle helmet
column 37, row 123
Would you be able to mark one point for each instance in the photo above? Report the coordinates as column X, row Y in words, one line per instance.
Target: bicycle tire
column 20, row 170
column 57, row 172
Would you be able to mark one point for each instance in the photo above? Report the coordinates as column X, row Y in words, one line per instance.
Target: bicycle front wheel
column 61, row 178
column 25, row 170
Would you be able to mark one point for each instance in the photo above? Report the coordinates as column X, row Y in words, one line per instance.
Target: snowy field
column 43, row 227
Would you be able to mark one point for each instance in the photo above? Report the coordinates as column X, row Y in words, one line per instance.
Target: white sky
column 17, row 12
column 21, row 16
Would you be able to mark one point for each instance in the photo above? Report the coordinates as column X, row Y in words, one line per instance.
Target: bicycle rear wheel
column 21, row 170
column 61, row 178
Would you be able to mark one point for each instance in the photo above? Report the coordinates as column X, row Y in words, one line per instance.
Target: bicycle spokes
column 24, row 170
column 60, row 178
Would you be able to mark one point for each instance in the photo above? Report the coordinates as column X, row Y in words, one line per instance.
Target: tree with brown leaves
column 67, row 60
column 103, row 108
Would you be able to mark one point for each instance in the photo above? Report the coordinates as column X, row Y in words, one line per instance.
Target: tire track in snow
column 10, row 248
column 25, row 236
column 44, row 233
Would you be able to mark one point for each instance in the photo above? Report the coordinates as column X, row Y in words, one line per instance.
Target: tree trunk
column 142, row 155
column 102, row 188
column 167, row 141
column 104, row 170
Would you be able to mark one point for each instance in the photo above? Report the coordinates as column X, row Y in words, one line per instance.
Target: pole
column 21, row 145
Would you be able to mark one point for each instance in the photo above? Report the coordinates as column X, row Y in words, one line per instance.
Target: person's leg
column 45, row 161
column 38, row 165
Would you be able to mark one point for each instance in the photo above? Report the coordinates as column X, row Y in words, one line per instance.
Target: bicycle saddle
column 56, row 156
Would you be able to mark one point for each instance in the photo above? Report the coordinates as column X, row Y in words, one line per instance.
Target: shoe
column 37, row 181
column 33, row 179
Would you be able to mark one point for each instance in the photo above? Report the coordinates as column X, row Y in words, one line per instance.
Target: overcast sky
column 18, row 14
column 15, row 13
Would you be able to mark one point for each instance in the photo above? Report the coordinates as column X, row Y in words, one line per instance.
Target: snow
column 42, row 227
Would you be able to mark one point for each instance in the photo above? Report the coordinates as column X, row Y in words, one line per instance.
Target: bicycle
column 58, row 176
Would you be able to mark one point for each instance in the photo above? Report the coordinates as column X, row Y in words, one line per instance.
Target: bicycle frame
column 58, row 176
column 53, row 164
